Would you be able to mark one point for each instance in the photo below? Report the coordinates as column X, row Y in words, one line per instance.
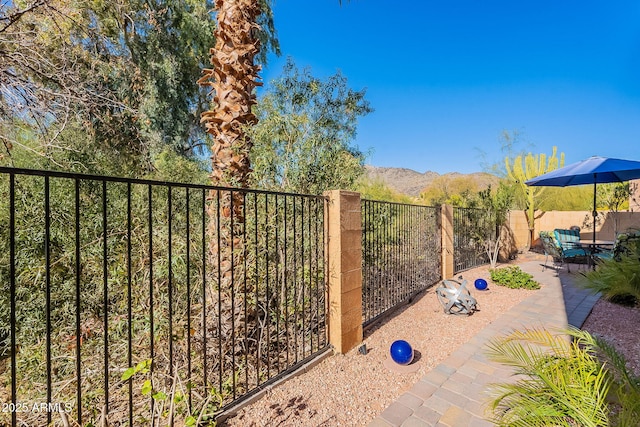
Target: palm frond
column 565, row 384
column 523, row 349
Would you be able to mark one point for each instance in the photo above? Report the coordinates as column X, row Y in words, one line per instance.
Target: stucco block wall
column 607, row 225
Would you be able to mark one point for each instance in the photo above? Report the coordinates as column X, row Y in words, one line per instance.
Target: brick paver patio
column 452, row 394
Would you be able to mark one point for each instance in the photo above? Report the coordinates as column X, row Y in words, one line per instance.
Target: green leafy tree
column 573, row 198
column 303, row 139
column 452, row 190
column 457, row 190
column 614, row 197
column 376, row 189
column 89, row 83
column 525, row 167
column 494, row 206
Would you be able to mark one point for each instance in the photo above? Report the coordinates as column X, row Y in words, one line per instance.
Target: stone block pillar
column 446, row 226
column 344, row 252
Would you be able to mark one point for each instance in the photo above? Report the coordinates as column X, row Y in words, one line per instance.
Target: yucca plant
column 568, row 378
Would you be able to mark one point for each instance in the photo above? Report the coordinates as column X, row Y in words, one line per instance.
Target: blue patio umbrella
column 594, row 170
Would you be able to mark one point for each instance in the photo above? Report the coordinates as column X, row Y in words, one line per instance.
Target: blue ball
column 401, row 352
column 481, row 284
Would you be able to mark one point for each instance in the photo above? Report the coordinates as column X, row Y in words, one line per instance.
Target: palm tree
column 232, row 79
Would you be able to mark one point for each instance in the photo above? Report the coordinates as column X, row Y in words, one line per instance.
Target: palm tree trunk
column 232, row 79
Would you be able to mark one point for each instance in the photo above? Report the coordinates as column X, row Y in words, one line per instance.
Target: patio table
column 592, row 246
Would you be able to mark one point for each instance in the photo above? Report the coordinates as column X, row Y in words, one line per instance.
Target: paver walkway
column 452, row 394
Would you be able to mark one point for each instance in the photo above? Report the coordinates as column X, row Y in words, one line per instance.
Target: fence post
column 344, row 253
column 446, row 227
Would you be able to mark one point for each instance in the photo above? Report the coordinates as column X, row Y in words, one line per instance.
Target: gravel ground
column 618, row 325
column 352, row 389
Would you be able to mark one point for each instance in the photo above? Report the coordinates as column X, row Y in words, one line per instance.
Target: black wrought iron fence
column 401, row 254
column 471, row 227
column 136, row 302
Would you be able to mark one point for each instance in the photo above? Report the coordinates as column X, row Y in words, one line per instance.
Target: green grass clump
column 514, row 278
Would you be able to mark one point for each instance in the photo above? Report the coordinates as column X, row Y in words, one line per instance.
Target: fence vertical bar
column 188, row 255
column 170, row 276
column 295, row 280
column 366, row 309
column 394, row 252
column 257, row 283
column 374, row 213
column 12, row 292
column 375, row 233
column 233, row 293
column 78, row 305
column 284, row 286
column 390, row 254
column 415, row 239
column 129, row 303
column 220, row 355
column 244, row 280
column 266, row 291
column 398, row 253
column 105, row 283
column 318, row 268
column 384, row 257
column 203, row 212
column 402, row 286
column 151, row 325
column 276, row 278
column 367, row 270
column 310, row 286
column 408, row 234
column 47, row 255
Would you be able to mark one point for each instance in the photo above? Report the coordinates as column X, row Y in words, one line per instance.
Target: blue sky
column 447, row 77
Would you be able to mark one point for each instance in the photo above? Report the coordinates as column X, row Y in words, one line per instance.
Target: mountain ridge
column 412, row 183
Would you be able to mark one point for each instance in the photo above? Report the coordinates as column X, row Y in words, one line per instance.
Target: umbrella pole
column 595, row 213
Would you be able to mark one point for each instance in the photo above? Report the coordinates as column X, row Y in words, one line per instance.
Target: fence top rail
column 90, row 177
column 460, row 208
column 399, row 203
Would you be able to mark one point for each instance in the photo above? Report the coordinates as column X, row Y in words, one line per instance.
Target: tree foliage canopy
column 376, row 189
column 115, row 80
column 452, row 190
column 303, row 139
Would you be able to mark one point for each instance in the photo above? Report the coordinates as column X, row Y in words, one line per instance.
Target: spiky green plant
column 569, row 378
column 617, row 279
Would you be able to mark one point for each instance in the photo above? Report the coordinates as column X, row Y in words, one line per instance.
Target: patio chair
column 568, row 238
column 623, row 246
column 560, row 255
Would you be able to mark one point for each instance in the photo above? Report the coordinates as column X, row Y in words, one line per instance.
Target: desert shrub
column 513, row 277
